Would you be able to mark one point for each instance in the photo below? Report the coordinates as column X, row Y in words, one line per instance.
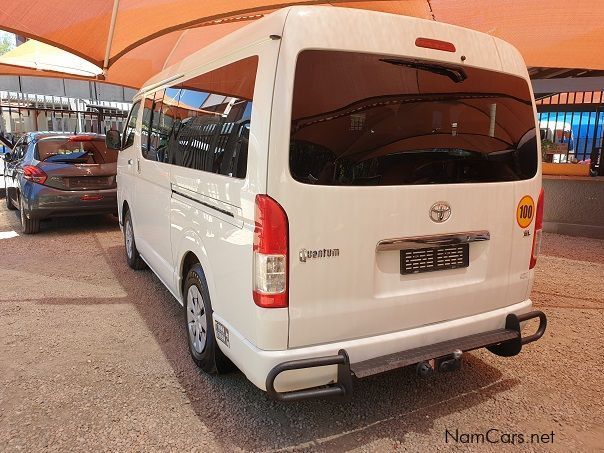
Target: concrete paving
column 93, row 357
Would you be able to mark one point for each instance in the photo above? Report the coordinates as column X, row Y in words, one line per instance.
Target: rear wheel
column 200, row 325
column 28, row 226
column 132, row 256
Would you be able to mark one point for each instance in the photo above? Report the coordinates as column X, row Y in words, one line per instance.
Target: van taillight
column 270, row 254
column 435, row 44
column 34, row 174
column 538, row 231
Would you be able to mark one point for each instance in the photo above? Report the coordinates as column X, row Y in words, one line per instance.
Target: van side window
column 209, row 130
column 128, row 139
column 146, row 126
column 160, row 123
column 155, row 145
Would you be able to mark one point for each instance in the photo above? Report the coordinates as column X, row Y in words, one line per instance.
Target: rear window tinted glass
column 365, row 119
column 65, row 150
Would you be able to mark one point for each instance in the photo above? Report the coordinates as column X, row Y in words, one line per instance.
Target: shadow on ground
column 388, row 405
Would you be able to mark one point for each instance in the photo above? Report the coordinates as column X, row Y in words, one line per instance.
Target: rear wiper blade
column 457, row 75
column 78, row 158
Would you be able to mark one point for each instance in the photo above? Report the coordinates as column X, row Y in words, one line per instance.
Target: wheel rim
column 197, row 325
column 129, row 236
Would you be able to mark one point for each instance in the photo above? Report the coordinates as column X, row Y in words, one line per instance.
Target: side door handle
column 138, row 165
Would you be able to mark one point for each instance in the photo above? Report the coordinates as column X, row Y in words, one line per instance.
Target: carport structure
column 130, row 40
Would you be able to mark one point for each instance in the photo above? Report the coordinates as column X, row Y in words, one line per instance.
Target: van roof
column 480, row 49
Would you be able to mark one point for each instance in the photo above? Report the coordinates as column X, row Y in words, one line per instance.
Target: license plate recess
column 436, row 258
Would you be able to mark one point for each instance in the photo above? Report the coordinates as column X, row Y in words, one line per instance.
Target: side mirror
column 113, row 139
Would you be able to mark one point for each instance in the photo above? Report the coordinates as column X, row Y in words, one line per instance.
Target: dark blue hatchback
column 59, row 174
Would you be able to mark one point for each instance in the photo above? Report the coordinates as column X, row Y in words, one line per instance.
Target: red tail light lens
column 538, row 231
column 270, row 254
column 435, row 44
column 34, row 174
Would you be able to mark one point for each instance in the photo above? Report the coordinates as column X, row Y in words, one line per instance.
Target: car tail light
column 82, row 138
column 538, row 230
column 435, row 44
column 34, row 174
column 270, row 254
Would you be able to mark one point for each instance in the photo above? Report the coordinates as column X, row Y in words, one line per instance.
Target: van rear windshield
column 374, row 120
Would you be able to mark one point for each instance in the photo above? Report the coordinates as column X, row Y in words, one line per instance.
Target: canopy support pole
column 173, row 49
column 116, row 4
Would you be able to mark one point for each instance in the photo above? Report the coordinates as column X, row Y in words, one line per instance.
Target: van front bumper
column 264, row 368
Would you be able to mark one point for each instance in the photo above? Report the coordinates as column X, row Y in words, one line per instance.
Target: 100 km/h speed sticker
column 525, row 211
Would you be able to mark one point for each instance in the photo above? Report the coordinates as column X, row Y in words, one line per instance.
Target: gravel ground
column 93, row 358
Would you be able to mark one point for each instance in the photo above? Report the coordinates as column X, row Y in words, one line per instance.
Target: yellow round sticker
column 525, row 211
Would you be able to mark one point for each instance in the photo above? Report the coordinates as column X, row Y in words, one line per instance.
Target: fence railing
column 22, row 112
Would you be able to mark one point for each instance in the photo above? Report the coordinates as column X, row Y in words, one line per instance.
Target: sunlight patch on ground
column 8, row 234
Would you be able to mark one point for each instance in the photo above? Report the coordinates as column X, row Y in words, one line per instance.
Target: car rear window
column 364, row 119
column 75, row 150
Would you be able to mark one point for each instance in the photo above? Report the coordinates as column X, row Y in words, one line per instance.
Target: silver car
column 60, row 174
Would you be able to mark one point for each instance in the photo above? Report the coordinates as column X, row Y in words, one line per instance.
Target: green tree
column 5, row 45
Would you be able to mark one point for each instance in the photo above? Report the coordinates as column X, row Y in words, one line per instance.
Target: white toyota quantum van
column 333, row 193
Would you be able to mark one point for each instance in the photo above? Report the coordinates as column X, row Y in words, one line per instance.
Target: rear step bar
column 505, row 342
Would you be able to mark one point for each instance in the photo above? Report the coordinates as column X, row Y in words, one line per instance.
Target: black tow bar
column 444, row 364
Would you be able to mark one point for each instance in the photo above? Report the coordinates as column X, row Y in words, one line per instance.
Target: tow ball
column 451, row 362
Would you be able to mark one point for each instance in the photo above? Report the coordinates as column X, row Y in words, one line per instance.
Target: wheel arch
column 125, row 208
column 188, row 261
column 191, row 251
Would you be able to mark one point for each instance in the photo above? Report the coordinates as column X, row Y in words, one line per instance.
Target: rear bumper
column 505, row 342
column 258, row 364
column 42, row 202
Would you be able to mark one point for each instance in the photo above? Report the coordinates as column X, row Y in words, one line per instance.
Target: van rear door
column 404, row 181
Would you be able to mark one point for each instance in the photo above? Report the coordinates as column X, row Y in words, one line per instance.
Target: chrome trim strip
column 207, row 205
column 416, row 242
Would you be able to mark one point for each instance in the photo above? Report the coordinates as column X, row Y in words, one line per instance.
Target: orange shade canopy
column 134, row 39
column 548, row 33
column 43, row 57
column 98, row 29
column 136, row 66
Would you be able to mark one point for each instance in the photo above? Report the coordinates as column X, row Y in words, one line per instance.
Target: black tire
column 28, row 226
column 9, row 203
column 210, row 359
column 132, row 256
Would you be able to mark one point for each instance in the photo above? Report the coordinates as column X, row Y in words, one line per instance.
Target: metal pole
column 116, row 4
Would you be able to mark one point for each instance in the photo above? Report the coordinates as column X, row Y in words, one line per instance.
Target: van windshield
column 363, row 119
